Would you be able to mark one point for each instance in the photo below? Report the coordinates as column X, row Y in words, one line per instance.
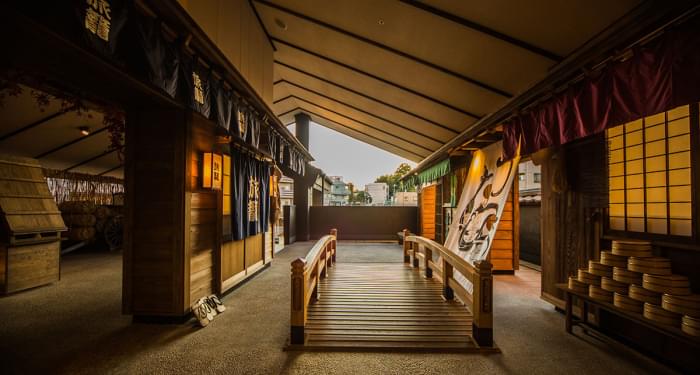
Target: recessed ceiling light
column 280, row 24
column 380, row 22
column 84, row 130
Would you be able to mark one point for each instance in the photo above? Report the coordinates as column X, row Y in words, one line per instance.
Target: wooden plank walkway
column 385, row 306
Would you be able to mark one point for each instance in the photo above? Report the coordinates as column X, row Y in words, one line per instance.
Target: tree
column 394, row 180
column 362, row 197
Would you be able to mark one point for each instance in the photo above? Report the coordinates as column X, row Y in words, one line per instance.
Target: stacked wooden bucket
column 633, row 280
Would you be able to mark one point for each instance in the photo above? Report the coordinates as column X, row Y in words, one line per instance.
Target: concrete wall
column 233, row 26
column 363, row 222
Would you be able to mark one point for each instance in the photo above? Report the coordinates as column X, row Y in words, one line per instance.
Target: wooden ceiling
column 53, row 137
column 408, row 76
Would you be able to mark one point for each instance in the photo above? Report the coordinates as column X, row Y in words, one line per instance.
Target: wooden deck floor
column 385, row 306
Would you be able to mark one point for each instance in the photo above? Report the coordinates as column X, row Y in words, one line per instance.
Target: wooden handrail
column 306, row 277
column 479, row 300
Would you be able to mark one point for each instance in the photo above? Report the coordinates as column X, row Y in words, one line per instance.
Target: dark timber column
column 302, row 128
column 302, row 190
column 154, row 252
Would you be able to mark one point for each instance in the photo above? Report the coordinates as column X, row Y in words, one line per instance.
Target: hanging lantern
column 212, row 171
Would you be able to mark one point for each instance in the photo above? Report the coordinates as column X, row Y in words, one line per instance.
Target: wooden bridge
column 406, row 306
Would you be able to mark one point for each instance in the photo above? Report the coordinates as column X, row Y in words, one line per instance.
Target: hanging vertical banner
column 253, row 134
column 481, row 204
column 160, row 60
column 197, row 86
column 223, row 104
column 102, row 21
column 241, row 120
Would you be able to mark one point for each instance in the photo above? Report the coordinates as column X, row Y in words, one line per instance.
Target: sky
column 339, row 155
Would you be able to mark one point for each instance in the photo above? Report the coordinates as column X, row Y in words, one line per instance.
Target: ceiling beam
column 35, row 124
column 67, row 144
column 91, row 159
column 110, row 170
column 363, row 133
column 484, row 29
column 378, row 78
column 286, row 113
column 362, row 95
column 262, row 25
column 389, row 49
column 365, row 112
column 363, row 123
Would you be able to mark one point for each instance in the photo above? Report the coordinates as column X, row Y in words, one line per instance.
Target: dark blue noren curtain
column 158, row 59
column 101, row 23
column 264, row 195
column 244, row 169
column 189, row 69
column 253, row 171
column 239, row 198
column 223, row 105
column 253, row 134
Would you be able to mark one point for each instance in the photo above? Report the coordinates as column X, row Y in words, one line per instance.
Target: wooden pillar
column 482, row 327
column 447, row 273
column 298, row 313
column 334, row 233
column 426, row 263
column 406, row 247
column 416, row 251
column 156, row 263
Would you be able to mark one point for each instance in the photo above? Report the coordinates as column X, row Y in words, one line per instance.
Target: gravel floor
column 75, row 326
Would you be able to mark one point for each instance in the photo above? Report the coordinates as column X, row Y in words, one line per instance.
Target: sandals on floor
column 218, row 305
column 200, row 312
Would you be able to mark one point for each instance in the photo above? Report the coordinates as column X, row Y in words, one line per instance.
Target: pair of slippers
column 206, row 308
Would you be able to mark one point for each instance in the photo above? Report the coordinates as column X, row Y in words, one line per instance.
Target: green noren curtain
column 436, row 171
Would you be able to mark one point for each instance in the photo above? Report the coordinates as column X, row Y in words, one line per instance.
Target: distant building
column 530, row 181
column 379, row 191
column 406, row 198
column 286, row 191
column 340, row 194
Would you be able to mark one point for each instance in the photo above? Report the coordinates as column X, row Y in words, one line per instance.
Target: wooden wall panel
column 571, row 211
column 201, row 275
column 505, row 244
column 427, row 211
column 232, row 259
column 253, row 250
column 269, row 245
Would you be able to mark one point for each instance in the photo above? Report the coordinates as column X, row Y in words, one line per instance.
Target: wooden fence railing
column 306, row 276
column 418, row 251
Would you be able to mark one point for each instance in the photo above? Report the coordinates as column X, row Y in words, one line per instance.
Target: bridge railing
column 307, row 273
column 418, row 251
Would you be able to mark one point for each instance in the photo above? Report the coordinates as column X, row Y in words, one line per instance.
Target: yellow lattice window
column 227, row 186
column 649, row 174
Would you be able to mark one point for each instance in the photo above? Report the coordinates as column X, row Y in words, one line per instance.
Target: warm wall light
column 212, row 171
column 84, row 130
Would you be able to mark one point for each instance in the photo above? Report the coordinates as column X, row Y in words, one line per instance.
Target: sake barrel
column 659, row 315
column 588, row 278
column 628, row 304
column 577, row 286
column 599, row 269
column 650, row 265
column 686, row 305
column 671, row 284
column 691, row 325
column 610, row 259
column 640, row 294
column 607, row 283
column 632, row 248
column 597, row 293
column 626, row 276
